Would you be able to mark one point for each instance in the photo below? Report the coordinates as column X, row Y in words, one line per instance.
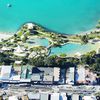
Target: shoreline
column 66, row 34
column 50, row 30
column 89, row 31
column 4, row 35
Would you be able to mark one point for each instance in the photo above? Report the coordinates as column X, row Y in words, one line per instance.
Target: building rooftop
column 5, row 74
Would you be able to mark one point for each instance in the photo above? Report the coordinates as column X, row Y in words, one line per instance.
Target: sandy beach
column 89, row 31
column 5, row 35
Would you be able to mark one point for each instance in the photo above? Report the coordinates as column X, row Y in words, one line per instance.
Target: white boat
column 9, row 5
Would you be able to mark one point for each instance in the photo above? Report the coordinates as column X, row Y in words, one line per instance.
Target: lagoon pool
column 38, row 41
column 72, row 49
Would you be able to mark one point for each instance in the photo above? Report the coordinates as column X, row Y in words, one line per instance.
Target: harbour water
column 65, row 16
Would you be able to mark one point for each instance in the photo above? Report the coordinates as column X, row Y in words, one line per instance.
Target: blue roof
column 36, row 70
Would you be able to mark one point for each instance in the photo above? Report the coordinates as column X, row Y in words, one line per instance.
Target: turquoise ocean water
column 65, row 16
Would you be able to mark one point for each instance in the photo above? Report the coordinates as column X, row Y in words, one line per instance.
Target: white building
column 13, row 98
column 54, row 96
column 30, row 25
column 56, row 74
column 75, row 97
column 80, row 75
column 33, row 96
column 89, row 98
column 70, row 75
column 44, row 96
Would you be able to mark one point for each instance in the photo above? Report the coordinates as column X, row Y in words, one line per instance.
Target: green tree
column 38, row 61
column 84, row 39
column 63, row 55
column 51, row 60
column 24, row 38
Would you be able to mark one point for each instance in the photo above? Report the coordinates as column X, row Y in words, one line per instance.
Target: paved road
column 73, row 89
column 78, row 90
